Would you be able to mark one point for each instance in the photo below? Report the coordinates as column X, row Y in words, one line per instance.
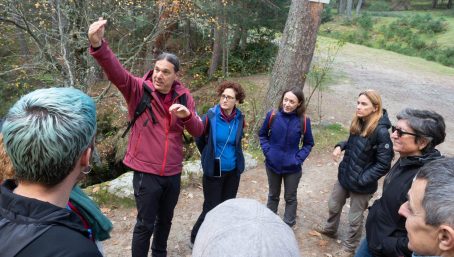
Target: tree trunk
column 434, row 4
column 349, row 9
column 243, row 42
column 341, row 7
column 236, row 39
column 449, row 5
column 295, row 50
column 358, row 7
column 217, row 50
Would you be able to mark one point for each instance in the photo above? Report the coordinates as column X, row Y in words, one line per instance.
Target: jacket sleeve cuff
column 187, row 118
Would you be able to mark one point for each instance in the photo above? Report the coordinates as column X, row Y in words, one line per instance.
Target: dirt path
column 402, row 81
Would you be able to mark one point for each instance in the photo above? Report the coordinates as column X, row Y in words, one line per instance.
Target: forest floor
column 402, row 81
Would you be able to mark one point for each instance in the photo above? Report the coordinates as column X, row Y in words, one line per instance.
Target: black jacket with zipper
column 29, row 227
column 366, row 159
column 385, row 228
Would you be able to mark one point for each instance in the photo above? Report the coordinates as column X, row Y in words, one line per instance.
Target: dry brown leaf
column 322, row 243
column 315, row 233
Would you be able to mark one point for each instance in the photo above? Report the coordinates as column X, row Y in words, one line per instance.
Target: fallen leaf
column 315, row 233
column 322, row 243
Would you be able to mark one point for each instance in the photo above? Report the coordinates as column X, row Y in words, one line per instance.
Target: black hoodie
column 385, row 228
column 366, row 159
column 29, row 227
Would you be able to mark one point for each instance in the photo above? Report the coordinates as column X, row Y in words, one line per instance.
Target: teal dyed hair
column 46, row 132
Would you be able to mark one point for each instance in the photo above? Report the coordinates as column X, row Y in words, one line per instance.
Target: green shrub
column 327, row 14
column 365, row 21
column 379, row 6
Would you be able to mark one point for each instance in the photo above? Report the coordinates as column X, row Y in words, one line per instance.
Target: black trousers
column 156, row 198
column 215, row 191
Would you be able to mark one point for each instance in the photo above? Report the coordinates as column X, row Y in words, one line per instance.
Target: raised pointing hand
column 96, row 32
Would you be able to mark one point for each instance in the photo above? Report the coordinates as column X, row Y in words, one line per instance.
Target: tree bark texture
column 349, row 8
column 296, row 49
column 217, row 50
column 358, row 6
column 341, row 6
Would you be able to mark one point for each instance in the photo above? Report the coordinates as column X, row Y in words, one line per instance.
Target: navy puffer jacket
column 281, row 142
column 366, row 159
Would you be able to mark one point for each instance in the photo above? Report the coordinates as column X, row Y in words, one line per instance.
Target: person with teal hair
column 49, row 136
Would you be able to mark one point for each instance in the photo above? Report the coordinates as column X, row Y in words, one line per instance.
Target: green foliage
column 365, row 21
column 257, row 57
column 410, row 35
column 327, row 14
column 379, row 6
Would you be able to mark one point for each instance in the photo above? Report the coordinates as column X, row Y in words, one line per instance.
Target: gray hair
column 426, row 124
column 173, row 59
column 438, row 201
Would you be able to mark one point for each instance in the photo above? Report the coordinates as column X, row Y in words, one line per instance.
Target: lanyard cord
column 228, row 137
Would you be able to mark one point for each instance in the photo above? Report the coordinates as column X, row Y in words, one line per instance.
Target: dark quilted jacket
column 385, row 228
column 366, row 159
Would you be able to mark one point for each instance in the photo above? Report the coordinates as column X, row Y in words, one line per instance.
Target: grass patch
column 327, row 136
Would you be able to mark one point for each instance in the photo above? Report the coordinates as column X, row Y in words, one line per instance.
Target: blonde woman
column 367, row 157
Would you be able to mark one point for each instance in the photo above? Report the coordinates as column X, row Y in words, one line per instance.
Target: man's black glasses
column 400, row 132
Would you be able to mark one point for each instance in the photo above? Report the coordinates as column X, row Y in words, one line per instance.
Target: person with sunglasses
column 415, row 136
column 221, row 150
column 368, row 155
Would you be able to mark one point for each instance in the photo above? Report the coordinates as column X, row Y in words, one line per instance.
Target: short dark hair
column 426, row 124
column 438, row 201
column 240, row 95
column 300, row 95
column 173, row 59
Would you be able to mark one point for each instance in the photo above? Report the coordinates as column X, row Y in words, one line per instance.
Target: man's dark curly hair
column 240, row 95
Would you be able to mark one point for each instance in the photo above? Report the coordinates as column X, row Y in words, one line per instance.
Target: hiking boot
column 344, row 252
column 321, row 229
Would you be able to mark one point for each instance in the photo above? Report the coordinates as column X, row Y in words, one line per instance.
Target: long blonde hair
column 365, row 126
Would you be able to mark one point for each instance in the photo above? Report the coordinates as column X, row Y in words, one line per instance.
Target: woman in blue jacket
column 220, row 147
column 280, row 138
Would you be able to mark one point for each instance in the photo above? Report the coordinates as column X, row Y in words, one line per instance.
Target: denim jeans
column 363, row 249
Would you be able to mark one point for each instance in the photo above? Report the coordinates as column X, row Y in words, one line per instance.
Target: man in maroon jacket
column 155, row 146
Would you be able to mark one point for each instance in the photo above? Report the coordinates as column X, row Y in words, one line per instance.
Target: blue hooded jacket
column 280, row 143
column 206, row 143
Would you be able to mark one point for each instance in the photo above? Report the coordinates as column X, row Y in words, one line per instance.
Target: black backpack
column 145, row 104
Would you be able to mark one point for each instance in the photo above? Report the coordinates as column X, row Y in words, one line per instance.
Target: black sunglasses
column 400, row 132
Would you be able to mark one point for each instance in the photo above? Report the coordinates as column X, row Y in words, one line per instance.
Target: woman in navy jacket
column 221, row 150
column 280, row 137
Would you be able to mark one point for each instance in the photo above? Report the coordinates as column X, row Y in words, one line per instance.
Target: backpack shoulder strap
column 303, row 127
column 144, row 103
column 270, row 121
column 183, row 100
